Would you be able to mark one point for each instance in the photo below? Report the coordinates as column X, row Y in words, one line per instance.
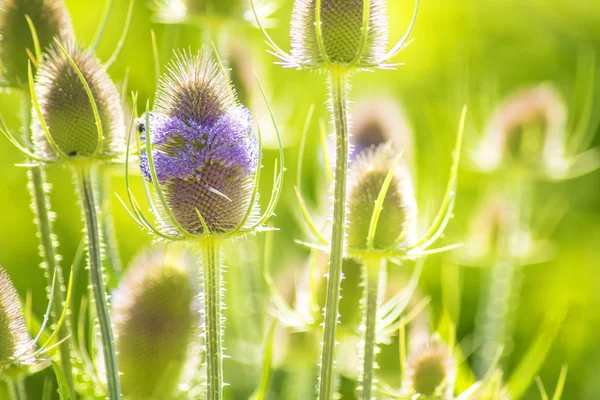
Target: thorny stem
column 212, row 277
column 108, row 230
column 41, row 209
column 86, row 190
column 373, row 267
column 16, row 389
column 339, row 104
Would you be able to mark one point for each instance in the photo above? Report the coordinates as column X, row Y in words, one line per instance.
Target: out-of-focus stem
column 339, row 104
column 212, row 277
column 86, row 191
column 16, row 389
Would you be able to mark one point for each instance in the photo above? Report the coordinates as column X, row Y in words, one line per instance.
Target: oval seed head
column 205, row 155
column 15, row 342
column 342, row 33
column 367, row 175
column 155, row 315
column 67, row 110
column 430, row 370
column 50, row 19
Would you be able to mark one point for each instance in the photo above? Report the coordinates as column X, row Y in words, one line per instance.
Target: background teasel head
column 366, row 179
column 431, row 369
column 345, row 38
column 194, row 11
column 16, row 350
column 205, row 160
column 64, row 126
column 50, row 19
column 155, row 313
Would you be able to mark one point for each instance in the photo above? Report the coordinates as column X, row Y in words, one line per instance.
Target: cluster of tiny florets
column 67, row 109
column 205, row 155
column 342, row 33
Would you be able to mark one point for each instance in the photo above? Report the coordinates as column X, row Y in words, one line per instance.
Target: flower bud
column 430, row 370
column 67, row 110
column 50, row 19
column 15, row 342
column 155, row 315
column 342, row 33
column 367, row 175
column 204, row 153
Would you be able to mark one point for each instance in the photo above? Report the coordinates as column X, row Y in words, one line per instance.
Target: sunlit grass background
column 465, row 52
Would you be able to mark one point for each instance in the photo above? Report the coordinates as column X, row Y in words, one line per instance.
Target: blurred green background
column 465, row 52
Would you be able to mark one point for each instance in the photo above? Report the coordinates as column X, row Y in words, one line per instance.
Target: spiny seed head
column 67, row 110
column 528, row 127
column 50, row 19
column 367, row 175
column 342, row 31
column 15, row 341
column 194, row 11
column 205, row 155
column 431, row 369
column 155, row 315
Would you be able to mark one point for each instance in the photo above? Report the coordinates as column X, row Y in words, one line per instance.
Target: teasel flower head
column 155, row 314
column 350, row 34
column 369, row 172
column 431, row 370
column 199, row 154
column 207, row 11
column 77, row 113
column 49, row 19
column 15, row 342
column 529, row 129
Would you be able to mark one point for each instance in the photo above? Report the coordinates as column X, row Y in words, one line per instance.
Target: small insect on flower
column 16, row 350
column 79, row 114
column 155, row 314
column 50, row 20
column 204, row 155
column 431, row 369
column 373, row 168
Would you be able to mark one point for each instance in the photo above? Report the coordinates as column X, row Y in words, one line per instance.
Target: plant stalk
column 373, row 267
column 41, row 208
column 90, row 210
column 16, row 389
column 339, row 104
column 108, row 230
column 213, row 281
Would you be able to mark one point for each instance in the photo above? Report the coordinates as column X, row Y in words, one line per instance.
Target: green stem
column 212, row 275
column 41, row 209
column 16, row 389
column 86, row 190
column 372, row 271
column 108, row 231
column 339, row 103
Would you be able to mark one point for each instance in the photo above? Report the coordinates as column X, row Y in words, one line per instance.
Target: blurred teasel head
column 206, row 11
column 50, row 20
column 16, row 349
column 79, row 114
column 155, row 314
column 204, row 155
column 430, row 370
column 333, row 32
column 369, row 172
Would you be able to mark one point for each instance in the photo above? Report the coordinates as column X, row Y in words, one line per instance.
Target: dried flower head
column 155, row 314
column 366, row 180
column 69, row 115
column 15, row 342
column 529, row 127
column 204, row 154
column 194, row 11
column 50, row 19
column 430, row 370
column 341, row 37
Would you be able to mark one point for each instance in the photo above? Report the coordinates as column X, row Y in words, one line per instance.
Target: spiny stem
column 16, row 389
column 41, row 209
column 339, row 104
column 108, row 230
column 372, row 272
column 86, row 191
column 212, row 276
